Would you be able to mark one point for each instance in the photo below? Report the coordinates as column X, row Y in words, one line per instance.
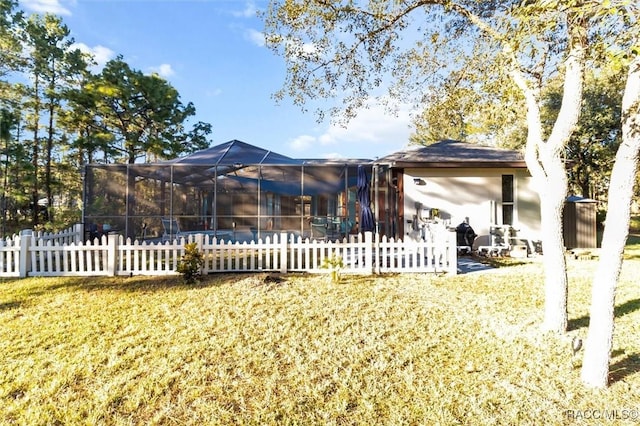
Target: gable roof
column 233, row 152
column 236, row 152
column 450, row 153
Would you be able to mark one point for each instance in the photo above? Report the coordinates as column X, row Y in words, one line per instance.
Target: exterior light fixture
column 419, row 181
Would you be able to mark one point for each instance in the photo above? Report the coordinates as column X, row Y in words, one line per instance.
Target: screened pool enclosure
column 234, row 191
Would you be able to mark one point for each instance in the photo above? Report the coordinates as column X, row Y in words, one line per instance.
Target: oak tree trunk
column 545, row 162
column 595, row 367
column 555, row 268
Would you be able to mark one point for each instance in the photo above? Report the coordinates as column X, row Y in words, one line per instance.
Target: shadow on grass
column 122, row 284
column 624, row 368
column 619, row 311
column 7, row 306
column 145, row 283
column 633, row 239
column 499, row 262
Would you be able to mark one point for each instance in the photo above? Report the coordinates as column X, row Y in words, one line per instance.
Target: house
column 459, row 182
column 242, row 190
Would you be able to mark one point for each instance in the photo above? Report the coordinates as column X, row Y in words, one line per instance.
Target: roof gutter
column 457, row 164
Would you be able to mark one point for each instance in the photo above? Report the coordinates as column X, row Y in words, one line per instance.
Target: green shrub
column 335, row 265
column 191, row 263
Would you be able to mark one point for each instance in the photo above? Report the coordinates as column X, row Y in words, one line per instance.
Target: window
column 507, row 199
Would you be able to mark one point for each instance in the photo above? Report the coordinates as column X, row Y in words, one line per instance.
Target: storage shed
column 579, row 223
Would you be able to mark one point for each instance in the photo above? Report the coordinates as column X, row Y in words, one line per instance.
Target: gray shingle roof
column 450, row 153
column 232, row 152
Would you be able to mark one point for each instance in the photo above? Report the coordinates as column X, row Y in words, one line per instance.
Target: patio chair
column 171, row 229
column 319, row 231
column 500, row 241
column 345, row 227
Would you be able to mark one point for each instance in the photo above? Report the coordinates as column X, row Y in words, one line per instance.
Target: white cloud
column 333, row 155
column 249, row 11
column 374, row 130
column 46, row 6
column 103, row 54
column 100, row 54
column 302, row 143
column 254, row 36
column 164, row 70
column 212, row 93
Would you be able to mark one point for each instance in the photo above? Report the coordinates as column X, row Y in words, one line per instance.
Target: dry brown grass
column 246, row 349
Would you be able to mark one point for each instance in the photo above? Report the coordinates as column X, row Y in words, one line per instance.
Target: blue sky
column 212, row 51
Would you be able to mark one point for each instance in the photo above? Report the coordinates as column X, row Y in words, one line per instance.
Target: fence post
column 284, row 241
column 368, row 252
column 112, row 254
column 78, row 233
column 25, row 259
column 452, row 250
column 376, row 253
column 199, row 240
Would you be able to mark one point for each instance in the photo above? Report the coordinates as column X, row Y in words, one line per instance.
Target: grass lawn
column 242, row 349
column 632, row 250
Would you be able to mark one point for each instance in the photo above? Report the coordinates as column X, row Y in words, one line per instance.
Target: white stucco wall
column 467, row 194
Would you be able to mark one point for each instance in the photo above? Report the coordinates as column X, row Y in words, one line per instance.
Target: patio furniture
column 319, row 231
column 330, row 228
column 346, row 226
column 504, row 241
column 97, row 231
column 334, row 230
column 171, row 229
column 499, row 244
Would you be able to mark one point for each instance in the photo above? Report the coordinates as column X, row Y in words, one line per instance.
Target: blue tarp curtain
column 367, row 221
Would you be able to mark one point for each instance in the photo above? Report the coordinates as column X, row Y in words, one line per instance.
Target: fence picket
column 10, row 256
column 48, row 254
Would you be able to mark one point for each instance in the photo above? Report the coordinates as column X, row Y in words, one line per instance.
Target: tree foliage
column 57, row 116
column 472, row 106
column 143, row 113
column 53, row 66
column 490, row 113
column 10, row 47
column 593, row 145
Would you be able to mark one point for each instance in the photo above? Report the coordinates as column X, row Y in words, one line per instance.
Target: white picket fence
column 66, row 254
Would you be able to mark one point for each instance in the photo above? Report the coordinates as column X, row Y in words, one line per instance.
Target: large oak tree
column 347, row 51
column 595, row 368
column 334, row 48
